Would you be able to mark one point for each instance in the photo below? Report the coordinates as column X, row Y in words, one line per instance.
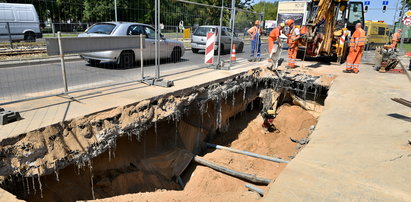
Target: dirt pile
column 245, row 133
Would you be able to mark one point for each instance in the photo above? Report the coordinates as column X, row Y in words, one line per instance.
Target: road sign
column 385, row 3
column 407, row 22
column 367, row 3
column 408, row 13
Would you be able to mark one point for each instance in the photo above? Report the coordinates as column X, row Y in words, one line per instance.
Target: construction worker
column 396, row 37
column 255, row 34
column 358, row 40
column 274, row 40
column 292, row 41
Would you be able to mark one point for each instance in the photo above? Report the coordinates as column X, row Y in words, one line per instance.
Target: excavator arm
column 327, row 21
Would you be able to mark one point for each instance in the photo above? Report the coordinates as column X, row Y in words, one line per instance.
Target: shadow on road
column 147, row 63
column 399, row 116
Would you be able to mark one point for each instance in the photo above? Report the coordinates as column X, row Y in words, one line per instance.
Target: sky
column 388, row 16
column 375, row 10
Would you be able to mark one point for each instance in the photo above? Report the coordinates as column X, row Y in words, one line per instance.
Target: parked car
column 126, row 58
column 22, row 20
column 199, row 39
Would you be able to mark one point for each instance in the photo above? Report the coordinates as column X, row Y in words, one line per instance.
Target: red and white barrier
column 209, row 51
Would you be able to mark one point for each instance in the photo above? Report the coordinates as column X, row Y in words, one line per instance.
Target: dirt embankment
column 245, row 132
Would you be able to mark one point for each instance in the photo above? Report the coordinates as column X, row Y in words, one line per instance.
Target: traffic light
column 384, row 8
column 366, row 9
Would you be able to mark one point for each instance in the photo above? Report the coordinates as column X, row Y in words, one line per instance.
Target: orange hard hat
column 257, row 22
column 289, row 22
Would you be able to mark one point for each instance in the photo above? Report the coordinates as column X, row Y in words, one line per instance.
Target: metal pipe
column 159, row 39
column 219, row 35
column 53, row 29
column 156, row 44
column 155, row 36
column 115, row 10
column 141, row 57
column 63, row 65
column 402, row 101
column 241, row 175
column 268, row 158
column 256, row 189
column 402, row 25
column 232, row 20
column 10, row 39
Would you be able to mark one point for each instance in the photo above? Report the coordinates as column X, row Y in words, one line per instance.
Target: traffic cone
column 233, row 54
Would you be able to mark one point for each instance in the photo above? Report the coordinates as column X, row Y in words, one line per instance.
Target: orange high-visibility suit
column 274, row 34
column 354, row 56
column 292, row 46
column 395, row 39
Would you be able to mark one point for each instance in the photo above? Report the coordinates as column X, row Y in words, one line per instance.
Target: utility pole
column 115, row 10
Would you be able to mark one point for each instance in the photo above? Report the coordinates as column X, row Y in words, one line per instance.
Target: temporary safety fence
column 174, row 33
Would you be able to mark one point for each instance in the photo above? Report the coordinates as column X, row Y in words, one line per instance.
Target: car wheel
column 94, row 63
column 240, row 48
column 176, row 54
column 126, row 59
column 29, row 37
column 195, row 50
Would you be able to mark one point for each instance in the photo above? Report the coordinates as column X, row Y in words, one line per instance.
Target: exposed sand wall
column 190, row 118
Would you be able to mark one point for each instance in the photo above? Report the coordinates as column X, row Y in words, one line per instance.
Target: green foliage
column 172, row 12
column 268, row 8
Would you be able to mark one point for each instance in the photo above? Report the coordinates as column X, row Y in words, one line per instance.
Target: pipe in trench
column 256, row 189
column 268, row 158
column 246, row 176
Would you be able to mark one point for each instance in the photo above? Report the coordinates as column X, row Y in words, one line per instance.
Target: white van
column 23, row 21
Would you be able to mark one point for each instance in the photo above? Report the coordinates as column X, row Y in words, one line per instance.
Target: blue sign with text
column 384, row 3
column 367, row 3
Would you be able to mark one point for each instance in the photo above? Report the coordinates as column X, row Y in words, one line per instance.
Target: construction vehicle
column 328, row 28
column 377, row 33
column 386, row 59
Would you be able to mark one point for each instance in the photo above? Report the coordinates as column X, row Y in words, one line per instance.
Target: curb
column 36, row 62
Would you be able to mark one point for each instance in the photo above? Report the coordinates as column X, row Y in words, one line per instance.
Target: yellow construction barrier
column 187, row 33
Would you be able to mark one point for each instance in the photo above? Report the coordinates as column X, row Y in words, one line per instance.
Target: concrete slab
column 359, row 150
column 47, row 111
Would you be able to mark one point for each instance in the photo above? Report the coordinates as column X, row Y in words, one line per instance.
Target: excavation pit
column 147, row 147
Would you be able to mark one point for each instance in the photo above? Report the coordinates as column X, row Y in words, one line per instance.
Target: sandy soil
column 246, row 133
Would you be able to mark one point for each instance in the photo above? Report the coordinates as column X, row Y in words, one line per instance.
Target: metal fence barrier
column 172, row 45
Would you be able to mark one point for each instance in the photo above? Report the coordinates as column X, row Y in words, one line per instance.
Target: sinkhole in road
column 160, row 156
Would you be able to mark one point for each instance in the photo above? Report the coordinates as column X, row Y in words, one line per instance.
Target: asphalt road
column 37, row 80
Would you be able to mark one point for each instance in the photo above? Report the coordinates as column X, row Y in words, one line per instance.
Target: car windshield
column 101, row 28
column 202, row 31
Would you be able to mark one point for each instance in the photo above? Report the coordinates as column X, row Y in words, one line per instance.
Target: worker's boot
column 356, row 71
column 348, row 70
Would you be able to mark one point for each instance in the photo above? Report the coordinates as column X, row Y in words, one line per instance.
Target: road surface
column 44, row 79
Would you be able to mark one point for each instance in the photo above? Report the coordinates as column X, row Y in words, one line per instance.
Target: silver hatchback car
column 125, row 58
column 199, row 39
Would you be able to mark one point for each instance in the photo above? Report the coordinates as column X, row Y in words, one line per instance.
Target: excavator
column 328, row 27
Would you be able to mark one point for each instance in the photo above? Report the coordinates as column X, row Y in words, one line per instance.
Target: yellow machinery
column 378, row 33
column 328, row 27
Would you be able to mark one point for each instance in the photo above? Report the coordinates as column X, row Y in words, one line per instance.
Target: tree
column 268, row 8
